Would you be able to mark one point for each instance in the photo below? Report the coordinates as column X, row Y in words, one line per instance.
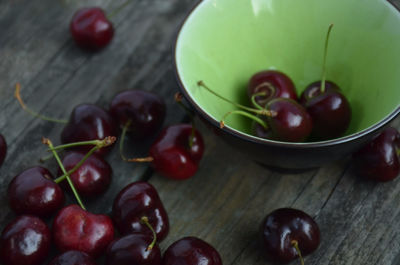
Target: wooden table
column 227, row 199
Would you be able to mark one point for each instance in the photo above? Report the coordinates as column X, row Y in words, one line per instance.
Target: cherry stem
column 118, row 9
column 60, row 164
column 263, row 111
column 145, row 220
column 295, row 244
column 17, row 95
column 109, row 140
column 122, row 140
column 45, row 158
column 324, row 60
column 398, row 151
column 243, row 113
column 178, row 99
column 253, row 100
column 141, row 160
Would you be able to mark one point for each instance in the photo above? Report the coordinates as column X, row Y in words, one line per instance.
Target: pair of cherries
column 322, row 112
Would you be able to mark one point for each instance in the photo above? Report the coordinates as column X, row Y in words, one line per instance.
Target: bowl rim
column 247, row 137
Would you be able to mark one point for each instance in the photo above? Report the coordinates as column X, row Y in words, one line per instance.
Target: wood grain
column 229, row 196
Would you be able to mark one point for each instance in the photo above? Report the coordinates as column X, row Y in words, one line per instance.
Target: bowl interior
column 224, row 42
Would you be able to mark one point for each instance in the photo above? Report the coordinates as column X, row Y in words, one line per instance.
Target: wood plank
column 228, row 198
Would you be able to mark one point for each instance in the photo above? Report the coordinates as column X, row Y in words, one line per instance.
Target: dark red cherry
column 274, row 84
column 92, row 178
column 91, row 29
column 291, row 122
column 34, row 192
column 285, row 227
column 25, row 241
column 329, row 110
column 89, row 122
column 136, row 200
column 191, row 251
column 177, row 151
column 3, row 149
column 145, row 111
column 379, row 159
column 77, row 229
column 133, row 249
column 73, row 257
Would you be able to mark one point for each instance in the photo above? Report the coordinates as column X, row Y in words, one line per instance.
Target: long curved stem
column 144, row 220
column 254, row 102
column 17, row 95
column 178, row 99
column 295, row 244
column 243, row 113
column 323, row 80
column 60, row 164
column 263, row 112
column 122, row 140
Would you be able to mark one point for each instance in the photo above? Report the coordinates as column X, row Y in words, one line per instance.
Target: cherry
column 291, row 123
column 191, row 251
column 73, row 257
column 34, row 192
column 177, row 151
column 26, row 240
column 288, row 234
column 136, row 200
column 3, row 149
column 144, row 111
column 92, row 178
column 135, row 248
column 327, row 106
column 273, row 83
column 91, row 29
column 88, row 122
column 281, row 119
column 77, row 229
column 379, row 159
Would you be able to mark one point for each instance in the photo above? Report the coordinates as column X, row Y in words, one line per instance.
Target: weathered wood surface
column 227, row 199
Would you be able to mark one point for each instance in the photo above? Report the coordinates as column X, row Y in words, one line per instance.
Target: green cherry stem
column 60, row 164
column 398, row 151
column 295, row 244
column 243, row 113
column 118, row 9
column 100, row 143
column 263, row 111
column 253, row 100
column 324, row 60
column 145, row 220
column 122, row 140
column 17, row 95
column 178, row 99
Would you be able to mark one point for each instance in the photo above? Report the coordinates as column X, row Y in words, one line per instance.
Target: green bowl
column 224, row 42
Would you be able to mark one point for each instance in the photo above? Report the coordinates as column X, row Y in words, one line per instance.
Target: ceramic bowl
column 224, row 42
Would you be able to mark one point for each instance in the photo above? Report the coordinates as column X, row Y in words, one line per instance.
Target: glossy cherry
column 73, row 257
column 34, row 192
column 3, row 149
column 144, row 110
column 284, row 229
column 91, row 29
column 329, row 110
column 92, row 178
column 274, row 84
column 133, row 249
column 327, row 106
column 290, row 123
column 191, row 251
column 136, row 200
column 89, row 122
column 379, row 159
column 177, row 151
column 77, row 229
column 26, row 240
